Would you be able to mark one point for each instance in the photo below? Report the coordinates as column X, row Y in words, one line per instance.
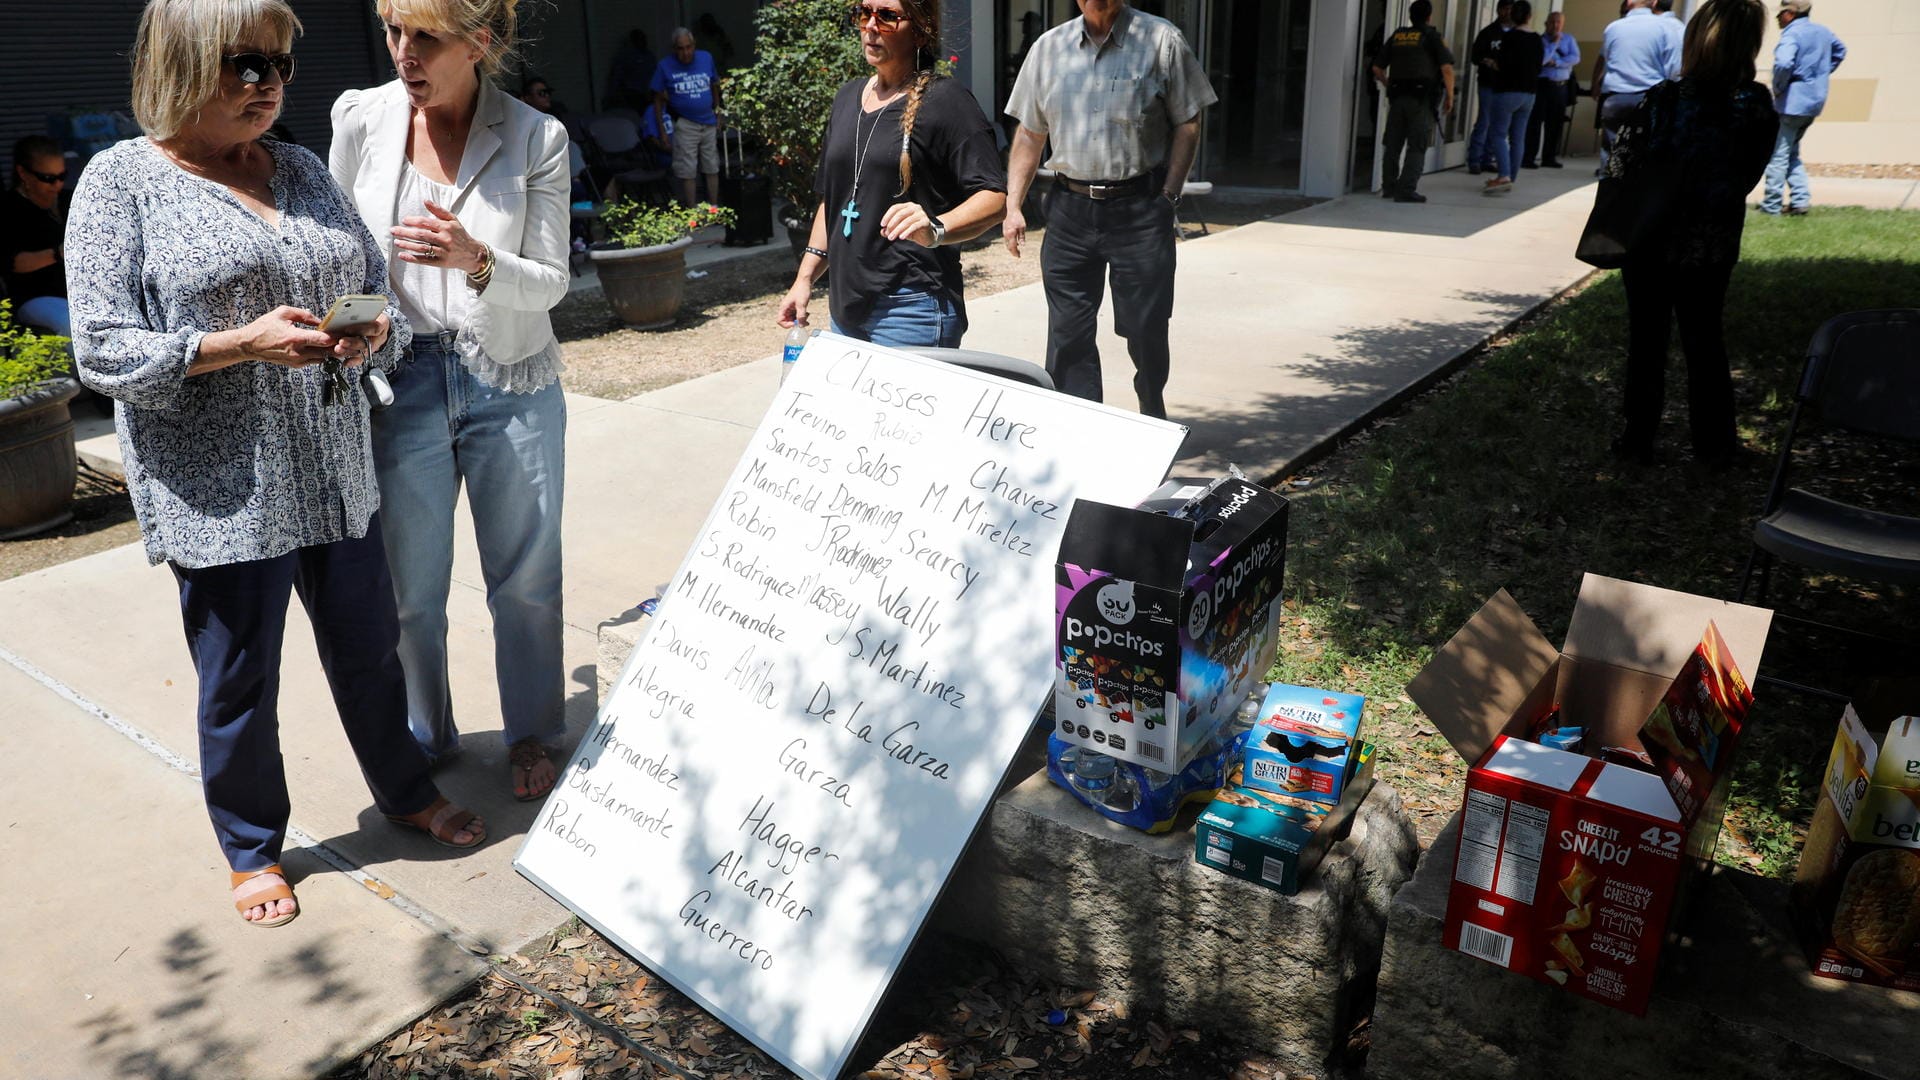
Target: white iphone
column 353, row 313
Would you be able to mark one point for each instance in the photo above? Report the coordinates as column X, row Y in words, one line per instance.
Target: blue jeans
column 1784, row 170
column 1478, row 153
column 235, row 617
column 905, row 319
column 45, row 313
column 1507, row 130
column 445, row 428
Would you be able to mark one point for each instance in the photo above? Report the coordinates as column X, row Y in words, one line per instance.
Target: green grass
column 1501, row 478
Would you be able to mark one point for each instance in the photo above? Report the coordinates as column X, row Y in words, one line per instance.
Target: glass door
column 1458, row 21
column 1256, row 58
column 1369, row 103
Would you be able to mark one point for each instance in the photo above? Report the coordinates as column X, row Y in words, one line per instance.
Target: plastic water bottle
column 1101, row 780
column 796, row 340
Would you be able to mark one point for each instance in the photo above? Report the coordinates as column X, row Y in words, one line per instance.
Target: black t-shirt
column 1521, row 53
column 954, row 156
column 26, row 227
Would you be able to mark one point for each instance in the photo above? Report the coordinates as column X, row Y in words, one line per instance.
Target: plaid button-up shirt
column 1109, row 109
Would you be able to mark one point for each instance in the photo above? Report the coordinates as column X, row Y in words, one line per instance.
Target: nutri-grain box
column 1857, row 894
column 1301, row 742
column 1573, row 867
column 1167, row 617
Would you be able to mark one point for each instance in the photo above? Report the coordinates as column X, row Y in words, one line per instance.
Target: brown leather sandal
column 523, row 757
column 442, row 821
column 249, row 891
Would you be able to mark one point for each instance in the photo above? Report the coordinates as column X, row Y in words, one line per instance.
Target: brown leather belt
column 1115, row 189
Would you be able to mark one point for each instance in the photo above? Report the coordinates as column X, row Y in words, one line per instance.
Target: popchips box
column 1857, row 895
column 1301, row 742
column 1573, row 870
column 1277, row 840
column 1167, row 617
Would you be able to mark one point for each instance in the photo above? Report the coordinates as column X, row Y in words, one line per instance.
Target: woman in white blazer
column 466, row 190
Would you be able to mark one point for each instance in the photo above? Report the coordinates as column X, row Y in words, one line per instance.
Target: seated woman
column 909, row 166
column 200, row 255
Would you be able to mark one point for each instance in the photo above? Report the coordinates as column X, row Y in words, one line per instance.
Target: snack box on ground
column 1301, row 742
column 1167, row 617
column 1573, row 869
column 1277, row 840
column 1857, row 894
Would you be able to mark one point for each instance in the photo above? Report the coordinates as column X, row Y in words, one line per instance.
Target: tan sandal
column 442, row 821
column 261, row 894
column 523, row 757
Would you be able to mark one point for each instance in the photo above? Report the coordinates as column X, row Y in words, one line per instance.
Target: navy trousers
column 236, row 618
column 1089, row 240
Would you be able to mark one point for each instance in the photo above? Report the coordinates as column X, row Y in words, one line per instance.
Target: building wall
column 1873, row 111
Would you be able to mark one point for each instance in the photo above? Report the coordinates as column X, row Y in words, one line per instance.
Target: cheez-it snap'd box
column 1573, row 868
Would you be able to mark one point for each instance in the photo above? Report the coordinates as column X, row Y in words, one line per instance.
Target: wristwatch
column 939, row 230
column 1172, row 198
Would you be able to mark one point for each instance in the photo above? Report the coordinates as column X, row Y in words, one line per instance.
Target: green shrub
column 27, row 357
column 805, row 52
column 636, row 225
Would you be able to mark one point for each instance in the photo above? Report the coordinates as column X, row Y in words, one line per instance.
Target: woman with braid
column 909, row 167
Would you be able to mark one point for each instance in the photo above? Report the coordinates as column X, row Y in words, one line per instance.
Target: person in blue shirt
column 1639, row 51
column 1807, row 54
column 1560, row 55
column 658, row 140
column 686, row 87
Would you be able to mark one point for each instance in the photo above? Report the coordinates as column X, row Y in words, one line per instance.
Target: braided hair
column 924, row 17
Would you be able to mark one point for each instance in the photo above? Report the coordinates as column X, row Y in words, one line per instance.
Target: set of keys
column 334, row 387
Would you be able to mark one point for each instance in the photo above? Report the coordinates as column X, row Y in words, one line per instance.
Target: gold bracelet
column 478, row 279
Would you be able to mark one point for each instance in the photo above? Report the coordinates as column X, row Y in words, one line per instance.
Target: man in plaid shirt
column 1119, row 93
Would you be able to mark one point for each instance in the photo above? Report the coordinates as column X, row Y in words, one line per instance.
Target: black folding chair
column 1862, row 376
column 1007, row 367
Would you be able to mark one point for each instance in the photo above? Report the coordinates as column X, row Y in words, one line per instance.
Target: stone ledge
column 1080, row 900
column 1085, row 902
column 1735, row 998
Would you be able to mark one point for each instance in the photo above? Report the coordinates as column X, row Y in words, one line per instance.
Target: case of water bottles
column 1143, row 798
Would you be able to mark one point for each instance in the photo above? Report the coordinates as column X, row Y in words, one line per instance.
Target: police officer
column 1417, row 71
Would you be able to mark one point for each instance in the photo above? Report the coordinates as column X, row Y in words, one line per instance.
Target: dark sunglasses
column 889, row 19
column 45, row 177
column 252, row 67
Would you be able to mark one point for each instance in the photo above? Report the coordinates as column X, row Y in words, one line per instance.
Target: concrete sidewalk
column 125, row 956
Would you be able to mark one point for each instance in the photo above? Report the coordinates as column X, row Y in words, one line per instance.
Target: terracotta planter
column 644, row 286
column 37, row 467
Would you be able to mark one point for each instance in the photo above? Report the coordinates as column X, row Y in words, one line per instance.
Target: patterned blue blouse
column 242, row 463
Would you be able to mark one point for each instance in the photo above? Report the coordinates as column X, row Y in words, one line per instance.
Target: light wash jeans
column 906, row 319
column 45, row 313
column 1785, row 170
column 445, row 428
column 1507, row 130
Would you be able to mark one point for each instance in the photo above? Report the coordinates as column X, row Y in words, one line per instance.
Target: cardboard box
column 1276, row 841
column 1166, row 623
column 1301, row 742
column 1857, row 894
column 1572, row 870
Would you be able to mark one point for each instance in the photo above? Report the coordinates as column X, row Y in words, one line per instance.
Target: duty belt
column 1109, row 189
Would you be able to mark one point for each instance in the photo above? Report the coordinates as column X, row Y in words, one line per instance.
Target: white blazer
column 512, row 194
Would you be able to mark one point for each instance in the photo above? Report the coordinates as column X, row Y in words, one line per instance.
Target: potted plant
column 643, row 262
column 37, row 465
column 804, row 52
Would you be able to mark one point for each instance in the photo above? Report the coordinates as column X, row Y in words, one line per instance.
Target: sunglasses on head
column 888, row 19
column 252, row 67
column 44, row 177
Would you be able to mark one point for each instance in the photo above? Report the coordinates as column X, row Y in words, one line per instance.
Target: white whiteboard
column 838, row 677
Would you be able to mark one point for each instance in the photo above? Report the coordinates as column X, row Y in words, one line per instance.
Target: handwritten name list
column 779, row 784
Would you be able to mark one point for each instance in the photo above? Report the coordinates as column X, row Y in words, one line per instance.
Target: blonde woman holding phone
column 465, row 188
column 198, row 260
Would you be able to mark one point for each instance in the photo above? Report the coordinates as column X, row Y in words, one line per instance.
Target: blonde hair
column 178, row 50
column 464, row 19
